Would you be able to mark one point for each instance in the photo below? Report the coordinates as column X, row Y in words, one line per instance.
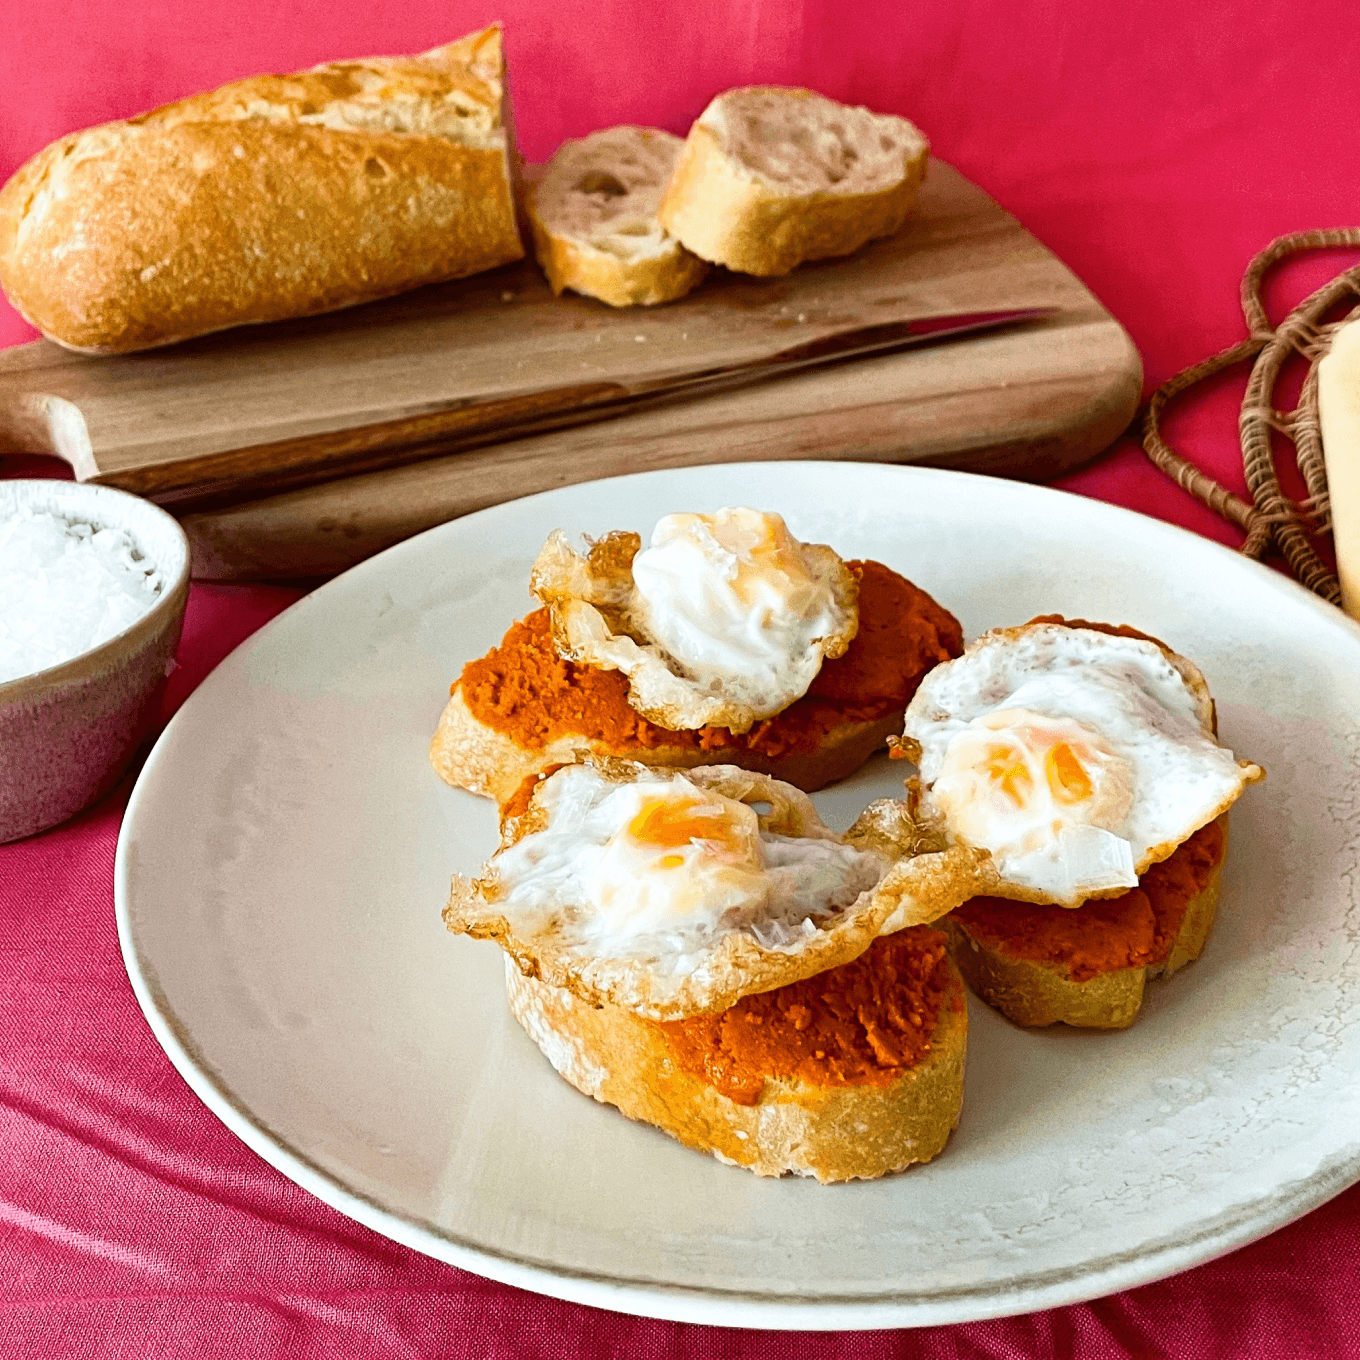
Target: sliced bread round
column 835, row 1132
column 594, row 220
column 771, row 176
column 1035, row 993
column 470, row 755
column 521, row 708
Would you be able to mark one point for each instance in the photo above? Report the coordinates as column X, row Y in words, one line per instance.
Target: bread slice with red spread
column 851, row 1074
column 1087, row 966
column 522, row 708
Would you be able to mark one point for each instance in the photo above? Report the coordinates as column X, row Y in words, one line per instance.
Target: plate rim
column 1233, row 1228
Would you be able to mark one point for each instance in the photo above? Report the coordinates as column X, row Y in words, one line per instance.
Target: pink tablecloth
column 1155, row 148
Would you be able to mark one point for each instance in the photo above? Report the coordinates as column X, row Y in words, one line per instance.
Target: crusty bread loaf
column 593, row 214
column 470, row 755
column 1034, row 993
column 272, row 197
column 770, row 177
column 835, row 1133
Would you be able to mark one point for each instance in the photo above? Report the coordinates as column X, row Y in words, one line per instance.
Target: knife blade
column 856, row 342
column 217, row 480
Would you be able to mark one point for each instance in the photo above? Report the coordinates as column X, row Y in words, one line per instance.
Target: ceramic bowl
column 69, row 732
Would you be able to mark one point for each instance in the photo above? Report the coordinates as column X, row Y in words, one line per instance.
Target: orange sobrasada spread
column 862, row 1024
column 1134, row 930
column 524, row 690
column 518, row 803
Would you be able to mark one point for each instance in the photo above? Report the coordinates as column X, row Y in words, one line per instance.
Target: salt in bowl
column 68, row 733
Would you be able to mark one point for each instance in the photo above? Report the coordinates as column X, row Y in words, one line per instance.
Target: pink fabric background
column 1155, row 146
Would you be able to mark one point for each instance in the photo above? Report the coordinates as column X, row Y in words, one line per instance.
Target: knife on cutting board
column 189, row 479
column 475, row 425
column 593, row 391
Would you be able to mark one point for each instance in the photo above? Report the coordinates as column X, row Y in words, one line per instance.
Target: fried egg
column 725, row 619
column 1076, row 758
column 662, row 864
column 731, row 598
column 669, row 893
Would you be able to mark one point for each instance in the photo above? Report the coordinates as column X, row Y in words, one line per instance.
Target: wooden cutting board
column 298, row 449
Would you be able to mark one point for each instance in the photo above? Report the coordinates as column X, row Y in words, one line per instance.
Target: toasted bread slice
column 594, row 220
column 470, row 755
column 1037, row 993
column 521, row 708
column 833, row 1131
column 770, row 177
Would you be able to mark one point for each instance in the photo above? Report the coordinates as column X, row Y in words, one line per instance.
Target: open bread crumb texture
column 603, row 191
column 800, row 142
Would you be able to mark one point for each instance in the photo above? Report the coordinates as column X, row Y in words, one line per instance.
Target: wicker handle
column 1272, row 518
column 1199, row 484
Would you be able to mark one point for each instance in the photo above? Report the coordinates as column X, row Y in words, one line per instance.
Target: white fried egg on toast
column 1075, row 756
column 677, row 892
column 724, row 619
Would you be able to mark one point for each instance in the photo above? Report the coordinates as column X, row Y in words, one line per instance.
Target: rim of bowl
column 173, row 593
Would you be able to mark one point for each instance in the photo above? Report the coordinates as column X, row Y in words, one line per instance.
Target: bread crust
column 469, row 755
column 1035, row 994
column 620, row 283
column 724, row 213
column 835, row 1133
column 272, row 197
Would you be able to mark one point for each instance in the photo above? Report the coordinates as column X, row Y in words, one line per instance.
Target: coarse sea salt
column 65, row 587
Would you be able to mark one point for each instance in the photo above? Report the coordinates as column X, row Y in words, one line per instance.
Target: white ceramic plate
column 287, row 851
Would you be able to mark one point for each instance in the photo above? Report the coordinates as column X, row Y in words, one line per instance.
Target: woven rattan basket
column 1273, row 519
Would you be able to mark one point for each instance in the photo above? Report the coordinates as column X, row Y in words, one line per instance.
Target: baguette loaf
column 1036, row 993
column 593, row 215
column 272, row 197
column 770, row 177
column 835, row 1132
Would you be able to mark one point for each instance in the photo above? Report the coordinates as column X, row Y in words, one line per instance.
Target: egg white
column 724, row 620
column 1146, row 722
column 610, row 895
column 580, row 897
column 729, row 598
